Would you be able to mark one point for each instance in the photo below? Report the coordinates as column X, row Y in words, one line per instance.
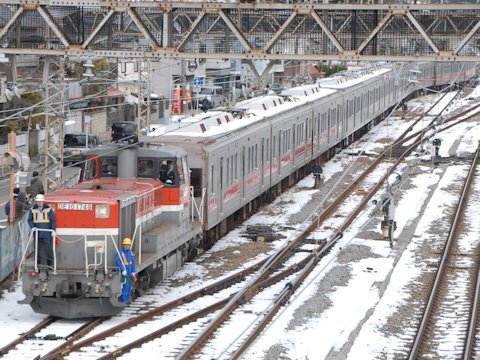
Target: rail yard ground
column 364, row 298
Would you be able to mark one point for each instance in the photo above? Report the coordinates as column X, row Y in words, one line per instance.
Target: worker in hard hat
column 42, row 216
column 126, row 263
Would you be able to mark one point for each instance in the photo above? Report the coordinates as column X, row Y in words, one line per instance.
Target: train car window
column 221, row 173
column 250, row 156
column 268, row 150
column 274, row 146
column 256, row 156
column 181, row 173
column 295, row 135
column 210, row 181
column 236, row 167
column 228, row 172
column 145, row 168
column 108, row 167
column 279, row 143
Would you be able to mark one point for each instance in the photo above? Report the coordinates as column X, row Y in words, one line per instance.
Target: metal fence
column 11, row 248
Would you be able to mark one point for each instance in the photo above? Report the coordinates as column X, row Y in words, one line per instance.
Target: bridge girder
column 298, row 31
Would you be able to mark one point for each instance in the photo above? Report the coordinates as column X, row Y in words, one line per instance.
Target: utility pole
column 13, row 208
column 144, row 92
column 54, row 81
column 11, row 217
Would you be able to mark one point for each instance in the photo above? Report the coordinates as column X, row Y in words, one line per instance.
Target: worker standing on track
column 126, row 263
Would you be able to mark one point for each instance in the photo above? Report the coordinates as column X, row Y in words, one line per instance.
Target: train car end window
column 108, row 167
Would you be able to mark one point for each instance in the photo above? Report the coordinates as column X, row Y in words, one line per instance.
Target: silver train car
column 241, row 158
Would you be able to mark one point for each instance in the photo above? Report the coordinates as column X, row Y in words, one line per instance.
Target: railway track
column 451, row 309
column 206, row 311
column 282, row 298
column 47, row 335
column 41, row 325
column 262, row 282
column 253, row 289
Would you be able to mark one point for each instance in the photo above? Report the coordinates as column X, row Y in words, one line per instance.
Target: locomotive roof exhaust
column 127, row 163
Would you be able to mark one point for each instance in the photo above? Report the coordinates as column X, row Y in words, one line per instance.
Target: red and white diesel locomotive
column 125, row 193
column 237, row 160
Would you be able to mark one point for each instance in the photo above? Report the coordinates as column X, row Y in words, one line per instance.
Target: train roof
column 248, row 112
column 157, row 150
column 104, row 190
column 350, row 79
column 207, row 127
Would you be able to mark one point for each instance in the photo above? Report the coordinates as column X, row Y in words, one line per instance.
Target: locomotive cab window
column 145, row 168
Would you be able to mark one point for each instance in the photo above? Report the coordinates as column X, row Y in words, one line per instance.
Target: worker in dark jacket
column 126, row 263
column 36, row 186
column 170, row 174
column 21, row 205
column 42, row 216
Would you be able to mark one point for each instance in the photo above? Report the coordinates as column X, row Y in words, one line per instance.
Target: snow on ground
column 347, row 304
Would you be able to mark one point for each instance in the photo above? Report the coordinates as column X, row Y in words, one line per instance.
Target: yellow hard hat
column 127, row 241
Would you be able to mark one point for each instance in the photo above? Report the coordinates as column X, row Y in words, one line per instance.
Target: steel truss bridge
column 295, row 31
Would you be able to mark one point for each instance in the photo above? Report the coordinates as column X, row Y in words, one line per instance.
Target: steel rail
column 233, row 304
column 204, row 312
column 173, row 326
column 283, row 297
column 67, row 348
column 197, row 315
column 41, row 325
column 472, row 330
column 272, row 262
column 460, row 209
column 81, row 332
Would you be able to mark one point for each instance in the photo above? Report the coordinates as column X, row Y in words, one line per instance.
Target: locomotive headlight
column 102, row 211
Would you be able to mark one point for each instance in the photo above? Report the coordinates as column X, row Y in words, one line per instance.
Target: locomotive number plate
column 68, row 206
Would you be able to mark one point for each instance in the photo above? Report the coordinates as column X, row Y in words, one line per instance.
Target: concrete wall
column 99, row 125
column 74, row 123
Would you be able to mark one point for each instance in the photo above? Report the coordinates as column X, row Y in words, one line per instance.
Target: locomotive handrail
column 104, row 257
column 32, row 231
column 198, row 208
column 138, row 226
column 117, row 251
column 24, row 256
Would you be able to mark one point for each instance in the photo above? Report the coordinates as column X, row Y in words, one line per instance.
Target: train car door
column 221, row 185
column 243, row 174
column 262, row 162
column 340, row 119
column 310, row 134
column 328, row 126
column 280, row 144
column 294, row 142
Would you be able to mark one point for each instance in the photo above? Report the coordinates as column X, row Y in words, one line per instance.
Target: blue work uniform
column 126, row 261
column 43, row 218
